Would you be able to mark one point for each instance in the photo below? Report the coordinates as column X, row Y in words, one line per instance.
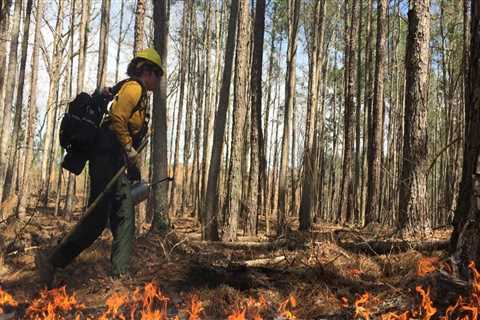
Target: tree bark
column 161, row 16
column 210, row 207
column 257, row 155
column 240, row 110
column 8, row 109
column 413, row 212
column 10, row 183
column 103, row 44
column 309, row 170
column 26, row 185
column 346, row 192
column 375, row 144
column 293, row 14
column 139, row 26
column 183, row 69
column 54, row 73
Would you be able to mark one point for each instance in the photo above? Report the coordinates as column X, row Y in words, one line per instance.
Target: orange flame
column 52, row 303
column 427, row 265
column 195, row 309
column 394, row 316
column 284, row 312
column 6, row 299
column 360, row 309
column 426, row 303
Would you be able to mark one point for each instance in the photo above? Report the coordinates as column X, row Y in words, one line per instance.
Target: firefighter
column 121, row 133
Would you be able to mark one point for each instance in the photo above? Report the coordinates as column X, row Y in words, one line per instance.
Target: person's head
column 146, row 66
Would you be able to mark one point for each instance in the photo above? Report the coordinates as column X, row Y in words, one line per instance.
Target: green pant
column 116, row 207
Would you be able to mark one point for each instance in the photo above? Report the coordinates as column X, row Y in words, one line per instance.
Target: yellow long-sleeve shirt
column 123, row 122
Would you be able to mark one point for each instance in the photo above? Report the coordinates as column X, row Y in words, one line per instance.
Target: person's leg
column 89, row 228
column 122, row 221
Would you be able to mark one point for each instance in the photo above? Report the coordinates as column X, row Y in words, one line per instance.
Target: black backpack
column 80, row 125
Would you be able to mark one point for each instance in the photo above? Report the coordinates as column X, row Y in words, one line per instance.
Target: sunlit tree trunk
column 257, row 155
column 13, row 147
column 210, row 207
column 183, row 70
column 346, row 205
column 375, row 144
column 310, row 169
column 54, row 72
column 26, row 181
column 103, row 44
column 293, row 14
column 413, row 212
column 139, row 26
column 161, row 16
column 8, row 109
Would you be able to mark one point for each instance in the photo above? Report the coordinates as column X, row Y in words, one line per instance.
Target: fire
column 360, row 309
column 6, row 300
column 284, row 312
column 153, row 305
column 427, row 265
column 195, row 309
column 426, row 303
column 52, row 304
column 394, row 316
column 251, row 310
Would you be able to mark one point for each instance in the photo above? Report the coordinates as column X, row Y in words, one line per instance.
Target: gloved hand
column 133, row 157
column 133, row 161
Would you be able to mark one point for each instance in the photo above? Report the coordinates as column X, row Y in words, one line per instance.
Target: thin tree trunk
column 26, row 185
column 13, row 152
column 6, row 125
column 139, row 26
column 103, row 44
column 161, row 16
column 372, row 212
column 293, row 14
column 346, row 201
column 257, row 155
column 183, row 70
column 210, row 207
column 120, row 39
column 54, row 73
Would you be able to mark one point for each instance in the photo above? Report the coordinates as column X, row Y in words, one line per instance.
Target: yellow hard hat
column 151, row 55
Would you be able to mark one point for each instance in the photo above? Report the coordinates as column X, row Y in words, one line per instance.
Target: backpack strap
column 116, row 88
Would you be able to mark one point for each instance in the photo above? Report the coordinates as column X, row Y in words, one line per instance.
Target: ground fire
column 149, row 303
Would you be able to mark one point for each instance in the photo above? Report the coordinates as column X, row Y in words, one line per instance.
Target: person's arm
column 121, row 111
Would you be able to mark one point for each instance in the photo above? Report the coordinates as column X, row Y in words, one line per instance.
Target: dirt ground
column 302, row 276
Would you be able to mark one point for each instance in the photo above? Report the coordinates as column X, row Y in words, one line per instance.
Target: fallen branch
column 259, row 262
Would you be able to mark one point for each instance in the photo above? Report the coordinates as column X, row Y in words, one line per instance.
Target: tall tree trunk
column 309, row 170
column 8, row 106
column 161, row 16
column 257, row 155
column 375, row 144
column 54, row 72
column 463, row 202
column 465, row 238
column 13, row 148
column 346, row 193
column 139, row 26
column 210, row 207
column 208, row 116
column 413, row 212
column 240, row 110
column 103, row 44
column 26, row 185
column 293, row 14
column 183, row 69
column 4, row 22
column 120, row 39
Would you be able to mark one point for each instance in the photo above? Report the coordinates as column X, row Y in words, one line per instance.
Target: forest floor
column 331, row 273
